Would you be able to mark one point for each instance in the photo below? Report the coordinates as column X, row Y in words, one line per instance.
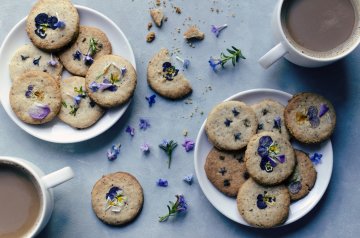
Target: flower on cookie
column 269, row 152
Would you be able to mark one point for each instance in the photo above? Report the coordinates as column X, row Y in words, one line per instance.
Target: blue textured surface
column 336, row 215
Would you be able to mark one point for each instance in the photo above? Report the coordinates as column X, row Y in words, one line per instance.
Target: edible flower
column 28, row 93
column 151, row 99
column 323, row 109
column 144, row 124
column 115, row 199
column 277, row 123
column 77, row 55
column 312, row 116
column 169, row 71
column 269, row 153
column 188, row 145
column 130, row 130
column 235, row 55
column 37, row 61
column 52, row 61
column 162, row 182
column 59, row 24
column 145, row 148
column 179, row 206
column 265, row 200
column 294, row 185
column 217, row 29
column 316, row 158
column 88, row 60
column 113, row 152
column 39, row 111
column 188, row 179
column 185, row 62
column 168, row 147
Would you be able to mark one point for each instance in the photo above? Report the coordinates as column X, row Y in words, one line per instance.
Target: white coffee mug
column 286, row 49
column 45, row 183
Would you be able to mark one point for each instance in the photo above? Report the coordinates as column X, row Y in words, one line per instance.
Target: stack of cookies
column 253, row 159
column 101, row 80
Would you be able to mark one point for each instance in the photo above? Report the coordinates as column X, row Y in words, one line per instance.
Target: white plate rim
column 202, row 181
column 121, row 110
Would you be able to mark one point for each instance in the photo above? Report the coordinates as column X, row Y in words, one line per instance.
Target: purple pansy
column 39, row 111
column 113, row 152
column 112, row 193
column 188, row 145
column 151, row 99
column 162, row 182
column 130, row 130
column 169, row 71
column 217, row 29
column 144, row 124
column 269, row 153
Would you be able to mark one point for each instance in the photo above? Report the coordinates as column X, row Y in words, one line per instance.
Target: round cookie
column 230, row 125
column 117, row 198
column 304, row 177
column 262, row 206
column 269, row 158
column 74, row 57
column 270, row 116
column 310, row 118
column 28, row 58
column 77, row 110
column 226, row 170
column 52, row 24
column 111, row 81
column 165, row 79
column 35, row 97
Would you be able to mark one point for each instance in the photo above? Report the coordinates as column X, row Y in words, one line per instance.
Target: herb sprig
column 179, row 206
column 168, row 147
column 235, row 55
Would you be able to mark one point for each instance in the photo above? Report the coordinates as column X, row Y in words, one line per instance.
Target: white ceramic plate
column 226, row 205
column 57, row 131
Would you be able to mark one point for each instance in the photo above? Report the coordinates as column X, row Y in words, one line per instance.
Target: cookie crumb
column 150, row 37
column 158, row 2
column 178, row 10
column 149, row 25
column 158, row 16
column 185, row 132
column 193, row 33
column 188, row 101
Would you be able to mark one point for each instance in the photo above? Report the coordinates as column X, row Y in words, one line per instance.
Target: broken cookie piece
column 150, row 37
column 193, row 33
column 158, row 16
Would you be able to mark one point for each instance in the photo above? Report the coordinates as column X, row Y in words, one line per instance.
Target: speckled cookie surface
column 270, row 116
column 35, row 97
column 44, row 29
column 263, row 206
column 117, row 198
column 310, row 118
column 304, row 177
column 230, row 125
column 111, row 81
column 226, row 170
column 73, row 57
column 77, row 109
column 165, row 79
column 269, row 158
column 28, row 58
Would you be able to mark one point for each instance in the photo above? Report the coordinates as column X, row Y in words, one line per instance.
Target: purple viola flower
column 323, row 109
column 130, row 130
column 277, row 122
column 214, row 63
column 145, row 148
column 295, row 187
column 264, row 143
column 88, row 59
column 316, row 158
column 28, row 93
column 162, row 182
column 151, row 99
column 312, row 115
column 188, row 179
column 60, row 24
column 144, row 124
column 280, row 158
column 260, row 203
column 112, row 193
column 77, row 55
column 104, row 86
column 267, row 164
column 113, row 152
column 217, row 29
column 188, row 145
column 39, row 111
column 94, row 86
column 123, row 71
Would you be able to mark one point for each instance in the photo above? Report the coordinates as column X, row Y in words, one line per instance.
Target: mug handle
column 58, row 177
column 273, row 55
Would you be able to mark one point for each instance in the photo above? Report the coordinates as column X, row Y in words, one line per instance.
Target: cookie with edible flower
column 111, row 81
column 165, row 78
column 77, row 109
column 269, row 158
column 35, row 97
column 310, row 118
column 91, row 44
column 52, row 24
column 117, row 198
column 263, row 206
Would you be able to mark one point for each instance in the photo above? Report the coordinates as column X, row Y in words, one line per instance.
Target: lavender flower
column 188, row 179
column 77, row 55
column 162, row 182
column 52, row 62
column 235, row 55
column 185, row 62
column 130, row 130
column 214, row 63
column 88, row 59
column 144, row 124
column 94, row 86
column 113, row 153
column 179, row 206
column 145, row 148
column 151, row 99
column 217, row 29
column 316, row 158
column 77, row 100
column 188, row 145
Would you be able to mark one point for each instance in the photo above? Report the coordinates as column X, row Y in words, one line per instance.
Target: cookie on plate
column 304, row 177
column 310, row 117
column 226, row 170
column 52, row 24
column 230, row 125
column 77, row 109
column 263, row 206
column 28, row 58
column 270, row 116
column 164, row 78
column 111, row 81
column 269, row 158
column 117, row 198
column 91, row 42
column 35, row 97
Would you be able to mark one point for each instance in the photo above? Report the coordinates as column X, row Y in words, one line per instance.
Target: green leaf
column 231, row 51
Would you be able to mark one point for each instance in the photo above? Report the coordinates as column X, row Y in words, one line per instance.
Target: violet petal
column 323, row 109
column 39, row 111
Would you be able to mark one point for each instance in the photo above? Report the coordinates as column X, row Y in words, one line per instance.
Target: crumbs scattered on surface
column 188, row 101
column 149, row 25
column 177, row 10
column 158, row 2
column 150, row 37
column 185, row 132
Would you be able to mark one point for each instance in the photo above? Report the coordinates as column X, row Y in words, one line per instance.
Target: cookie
column 270, row 116
column 269, row 158
column 230, row 125
column 117, row 198
column 28, row 58
column 77, row 109
column 52, row 24
column 91, row 42
column 262, row 206
column 304, row 177
column 164, row 78
column 111, row 81
column 226, row 170
column 35, row 97
column 310, row 118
